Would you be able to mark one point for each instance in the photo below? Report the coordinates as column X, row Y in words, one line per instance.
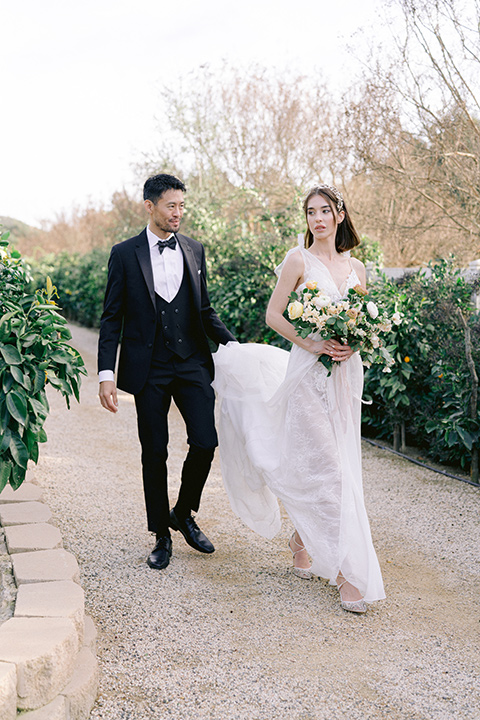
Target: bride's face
column 321, row 218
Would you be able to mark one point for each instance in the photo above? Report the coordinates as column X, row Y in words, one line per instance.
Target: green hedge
column 241, row 278
column 425, row 400
column 80, row 281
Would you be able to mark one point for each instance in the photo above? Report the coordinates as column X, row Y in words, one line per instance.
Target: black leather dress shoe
column 160, row 555
column 192, row 533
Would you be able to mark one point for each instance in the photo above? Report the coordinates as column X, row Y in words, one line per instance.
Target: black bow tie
column 162, row 244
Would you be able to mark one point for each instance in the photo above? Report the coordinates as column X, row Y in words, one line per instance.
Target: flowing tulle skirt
column 288, row 431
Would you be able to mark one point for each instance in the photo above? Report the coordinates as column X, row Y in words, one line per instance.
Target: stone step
column 44, row 651
column 90, row 635
column 23, row 513
column 56, row 710
column 81, row 691
column 28, row 491
column 53, row 599
column 35, row 536
column 45, row 566
column 8, row 691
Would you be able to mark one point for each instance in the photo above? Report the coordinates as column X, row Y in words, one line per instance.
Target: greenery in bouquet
column 355, row 321
column 34, row 352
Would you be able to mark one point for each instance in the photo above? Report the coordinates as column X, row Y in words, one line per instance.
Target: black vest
column 175, row 334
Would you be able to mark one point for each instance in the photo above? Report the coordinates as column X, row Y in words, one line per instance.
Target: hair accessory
column 336, row 193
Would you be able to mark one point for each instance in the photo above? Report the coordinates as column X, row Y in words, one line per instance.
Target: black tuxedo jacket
column 130, row 310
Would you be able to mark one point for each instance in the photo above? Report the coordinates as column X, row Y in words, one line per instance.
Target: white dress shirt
column 167, row 268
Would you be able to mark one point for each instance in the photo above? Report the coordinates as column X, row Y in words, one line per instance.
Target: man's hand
column 107, row 393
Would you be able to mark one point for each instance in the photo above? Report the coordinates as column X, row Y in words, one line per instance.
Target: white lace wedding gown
column 288, row 431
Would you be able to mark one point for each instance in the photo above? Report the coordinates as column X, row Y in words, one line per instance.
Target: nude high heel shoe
column 356, row 606
column 304, row 573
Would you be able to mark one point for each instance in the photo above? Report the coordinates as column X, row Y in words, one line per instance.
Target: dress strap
column 279, row 268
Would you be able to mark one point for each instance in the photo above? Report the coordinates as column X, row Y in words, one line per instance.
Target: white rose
column 321, row 301
column 372, row 310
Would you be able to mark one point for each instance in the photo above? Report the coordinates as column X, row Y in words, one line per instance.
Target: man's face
column 166, row 213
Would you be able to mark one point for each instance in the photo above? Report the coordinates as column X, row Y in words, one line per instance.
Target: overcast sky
column 80, row 81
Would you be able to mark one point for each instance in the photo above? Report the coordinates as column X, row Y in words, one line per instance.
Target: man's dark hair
column 156, row 185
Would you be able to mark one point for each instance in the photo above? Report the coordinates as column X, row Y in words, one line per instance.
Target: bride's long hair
column 346, row 236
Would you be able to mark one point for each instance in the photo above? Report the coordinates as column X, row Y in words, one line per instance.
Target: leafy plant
column 428, row 395
column 34, row 352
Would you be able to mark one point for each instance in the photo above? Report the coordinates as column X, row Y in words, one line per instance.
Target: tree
column 415, row 133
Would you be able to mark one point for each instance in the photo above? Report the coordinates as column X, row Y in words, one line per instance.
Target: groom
column 157, row 302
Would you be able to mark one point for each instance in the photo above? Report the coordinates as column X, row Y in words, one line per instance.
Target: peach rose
column 360, row 290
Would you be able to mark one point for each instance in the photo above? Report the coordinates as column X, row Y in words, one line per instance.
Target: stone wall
column 48, row 668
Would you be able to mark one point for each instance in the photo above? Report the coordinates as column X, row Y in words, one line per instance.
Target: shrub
column 80, row 281
column 33, row 352
column 241, row 281
column 428, row 393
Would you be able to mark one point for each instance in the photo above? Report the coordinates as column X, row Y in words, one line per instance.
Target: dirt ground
column 235, row 634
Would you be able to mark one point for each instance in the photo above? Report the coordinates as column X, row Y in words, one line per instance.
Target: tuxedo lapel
column 142, row 251
column 192, row 268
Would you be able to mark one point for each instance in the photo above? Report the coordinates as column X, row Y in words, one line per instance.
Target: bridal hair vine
column 336, row 193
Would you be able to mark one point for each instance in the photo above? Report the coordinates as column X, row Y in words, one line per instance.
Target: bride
column 289, row 431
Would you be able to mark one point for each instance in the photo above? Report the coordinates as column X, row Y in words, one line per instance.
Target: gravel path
column 235, row 636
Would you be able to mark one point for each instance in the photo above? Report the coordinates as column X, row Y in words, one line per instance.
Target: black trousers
column 188, row 383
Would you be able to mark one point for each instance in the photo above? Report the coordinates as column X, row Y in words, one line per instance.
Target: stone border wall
column 48, row 667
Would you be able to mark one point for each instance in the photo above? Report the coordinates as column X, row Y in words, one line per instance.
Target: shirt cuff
column 105, row 375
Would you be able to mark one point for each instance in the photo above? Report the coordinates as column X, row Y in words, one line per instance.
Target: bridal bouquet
column 355, row 321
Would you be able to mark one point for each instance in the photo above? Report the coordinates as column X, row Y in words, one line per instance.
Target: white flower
column 334, row 310
column 375, row 341
column 385, row 326
column 397, row 318
column 320, row 321
column 372, row 310
column 321, row 301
